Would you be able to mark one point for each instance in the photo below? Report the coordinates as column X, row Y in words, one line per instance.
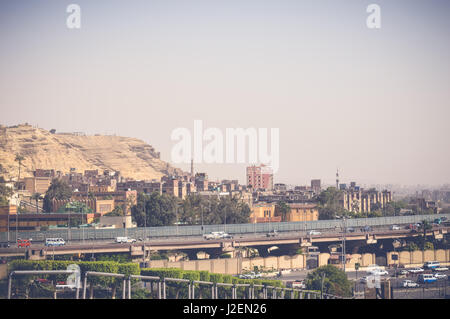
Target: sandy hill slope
column 62, row 151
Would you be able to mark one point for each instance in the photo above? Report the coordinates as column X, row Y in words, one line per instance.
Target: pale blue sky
column 372, row 102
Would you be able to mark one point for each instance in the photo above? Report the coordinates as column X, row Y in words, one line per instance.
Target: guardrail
column 190, row 286
column 196, row 230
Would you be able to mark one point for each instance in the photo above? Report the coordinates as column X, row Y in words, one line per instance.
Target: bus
column 426, row 278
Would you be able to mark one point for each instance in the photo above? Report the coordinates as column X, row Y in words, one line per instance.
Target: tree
column 329, row 204
column 154, row 210
column 283, row 208
column 425, row 226
column 58, row 190
column 19, row 158
column 334, row 280
column 5, row 193
column 117, row 211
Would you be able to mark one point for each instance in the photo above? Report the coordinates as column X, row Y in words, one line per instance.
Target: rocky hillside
column 62, row 151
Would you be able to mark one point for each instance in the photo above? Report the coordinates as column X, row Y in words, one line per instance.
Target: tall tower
column 192, row 167
column 337, row 179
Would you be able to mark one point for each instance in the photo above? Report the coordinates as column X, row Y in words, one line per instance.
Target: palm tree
column 19, row 158
column 425, row 226
column 36, row 197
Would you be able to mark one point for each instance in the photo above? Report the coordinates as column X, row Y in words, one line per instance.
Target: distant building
column 300, row 212
column 315, row 185
column 260, row 177
column 264, row 213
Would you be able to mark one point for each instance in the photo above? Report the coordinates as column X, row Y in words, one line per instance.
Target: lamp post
column 201, row 209
column 343, row 243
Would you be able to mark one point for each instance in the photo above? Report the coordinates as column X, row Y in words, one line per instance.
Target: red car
column 23, row 243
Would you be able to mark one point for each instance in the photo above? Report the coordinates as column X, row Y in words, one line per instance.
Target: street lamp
column 343, row 243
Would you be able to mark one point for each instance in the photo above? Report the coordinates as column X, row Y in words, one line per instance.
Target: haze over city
column 371, row 102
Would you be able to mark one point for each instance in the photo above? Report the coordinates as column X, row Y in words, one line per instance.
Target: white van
column 54, row 242
column 431, row 264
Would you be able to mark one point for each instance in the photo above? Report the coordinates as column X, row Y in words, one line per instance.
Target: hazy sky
column 373, row 102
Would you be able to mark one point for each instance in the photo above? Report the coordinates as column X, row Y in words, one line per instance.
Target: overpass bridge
column 216, row 247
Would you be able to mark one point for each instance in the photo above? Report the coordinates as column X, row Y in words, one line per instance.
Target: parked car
column 440, row 268
column 314, row 232
column 379, row 272
column 351, row 230
column 439, row 276
column 431, row 264
column 363, row 280
column 395, row 227
column 409, row 284
column 404, row 272
column 366, row 229
column 415, row 270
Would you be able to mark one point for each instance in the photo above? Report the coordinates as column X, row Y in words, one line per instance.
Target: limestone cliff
column 62, row 151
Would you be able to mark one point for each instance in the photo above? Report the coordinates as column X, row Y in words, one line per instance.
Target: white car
column 409, row 284
column 416, row 270
column 314, row 232
column 121, row 240
column 363, row 279
column 379, row 272
column 440, row 268
column 440, row 276
column 395, row 227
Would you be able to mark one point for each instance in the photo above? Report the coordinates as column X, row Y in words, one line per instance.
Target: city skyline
column 371, row 103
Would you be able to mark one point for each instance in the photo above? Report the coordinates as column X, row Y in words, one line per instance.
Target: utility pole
column 321, row 289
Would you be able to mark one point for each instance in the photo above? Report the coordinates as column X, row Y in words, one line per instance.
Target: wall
column 233, row 266
column 418, row 257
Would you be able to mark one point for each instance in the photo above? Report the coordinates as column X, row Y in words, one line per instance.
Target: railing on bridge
column 196, row 230
column 190, row 286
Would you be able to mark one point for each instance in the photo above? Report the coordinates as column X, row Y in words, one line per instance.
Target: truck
column 121, row 240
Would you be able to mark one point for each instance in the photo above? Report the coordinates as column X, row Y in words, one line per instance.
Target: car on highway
column 121, row 240
column 409, row 284
column 217, row 235
column 440, row 276
column 250, row 275
column 272, row 233
column 300, row 284
column 54, row 242
column 21, row 243
column 314, row 232
column 395, row 227
column 415, row 270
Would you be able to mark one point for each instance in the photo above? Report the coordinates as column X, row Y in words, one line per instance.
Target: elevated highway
column 142, row 248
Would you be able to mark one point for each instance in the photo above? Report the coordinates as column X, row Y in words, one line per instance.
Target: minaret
column 192, row 167
column 337, row 179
